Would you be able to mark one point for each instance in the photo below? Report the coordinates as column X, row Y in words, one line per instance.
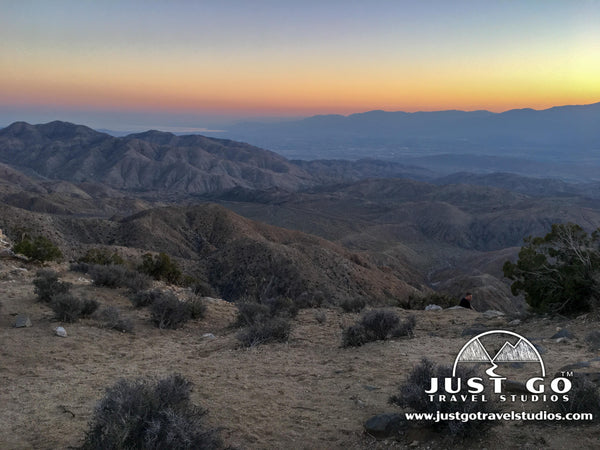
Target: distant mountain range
column 545, row 140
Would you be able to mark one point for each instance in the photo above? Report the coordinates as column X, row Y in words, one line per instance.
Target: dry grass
column 306, row 394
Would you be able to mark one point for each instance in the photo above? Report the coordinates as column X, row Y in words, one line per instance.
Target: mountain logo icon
column 516, row 349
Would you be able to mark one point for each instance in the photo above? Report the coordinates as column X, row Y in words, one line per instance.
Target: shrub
column 354, row 336
column 145, row 298
column 320, row 317
column 66, row 307
column 115, row 276
column 101, row 257
column 281, row 307
column 250, row 313
column 149, row 415
column 79, row 267
column 375, row 325
column 202, row 288
column 379, row 323
column 39, row 249
column 197, row 308
column 47, row 285
column 593, row 340
column 353, row 305
column 275, row 329
column 111, row 319
column 137, row 281
column 160, row 267
column 310, row 300
column 583, row 398
column 88, row 307
column 412, row 394
column 405, row 328
column 167, row 311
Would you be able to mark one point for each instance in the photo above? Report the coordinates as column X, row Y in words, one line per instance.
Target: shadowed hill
column 239, row 257
column 151, row 162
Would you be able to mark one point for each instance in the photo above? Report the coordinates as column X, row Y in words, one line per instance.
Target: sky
column 203, row 64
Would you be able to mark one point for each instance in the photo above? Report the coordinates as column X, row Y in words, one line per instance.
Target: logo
column 507, row 358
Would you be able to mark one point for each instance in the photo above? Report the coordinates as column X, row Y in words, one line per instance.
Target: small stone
column 563, row 333
column 414, row 444
column 208, row 336
column 514, row 323
column 60, row 331
column 492, row 314
column 433, row 308
column 22, row 321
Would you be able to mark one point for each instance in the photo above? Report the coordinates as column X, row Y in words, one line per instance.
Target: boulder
column 22, row 321
column 385, row 425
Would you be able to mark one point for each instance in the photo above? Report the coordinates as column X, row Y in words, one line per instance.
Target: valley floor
column 307, row 394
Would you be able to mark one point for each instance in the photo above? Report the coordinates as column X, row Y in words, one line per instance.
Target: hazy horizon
column 132, row 64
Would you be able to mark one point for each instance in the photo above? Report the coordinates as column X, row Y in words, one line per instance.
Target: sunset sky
column 127, row 64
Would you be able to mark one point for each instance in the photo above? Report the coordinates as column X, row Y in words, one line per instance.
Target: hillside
column 236, row 256
column 151, row 162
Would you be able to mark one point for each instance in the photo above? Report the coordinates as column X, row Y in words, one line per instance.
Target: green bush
column 39, row 249
column 143, row 414
column 101, row 257
column 558, row 272
column 47, row 285
column 160, row 267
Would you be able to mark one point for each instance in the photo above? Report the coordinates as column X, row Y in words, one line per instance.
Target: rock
column 514, row 323
column 22, row 321
column 385, row 425
column 564, row 333
column 492, row 314
column 414, row 444
column 433, row 308
column 562, row 340
column 60, row 331
column 208, row 336
column 458, row 307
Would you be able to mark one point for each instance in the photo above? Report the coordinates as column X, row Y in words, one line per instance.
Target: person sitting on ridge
column 465, row 302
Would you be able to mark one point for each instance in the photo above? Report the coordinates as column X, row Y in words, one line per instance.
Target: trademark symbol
column 567, row 374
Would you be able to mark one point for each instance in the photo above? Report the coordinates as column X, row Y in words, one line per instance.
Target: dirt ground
column 306, row 394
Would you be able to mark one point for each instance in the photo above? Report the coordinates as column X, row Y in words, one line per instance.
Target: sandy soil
column 306, row 394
